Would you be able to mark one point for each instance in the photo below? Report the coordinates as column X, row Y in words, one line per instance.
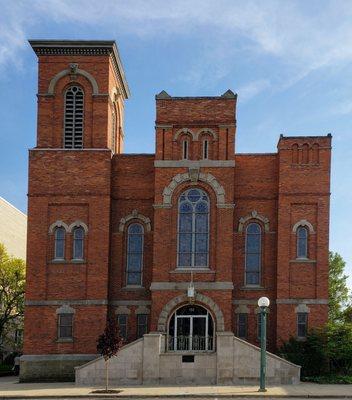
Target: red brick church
column 129, row 233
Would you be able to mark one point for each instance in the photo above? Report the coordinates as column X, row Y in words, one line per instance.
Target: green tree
column 339, row 295
column 12, row 286
column 339, row 347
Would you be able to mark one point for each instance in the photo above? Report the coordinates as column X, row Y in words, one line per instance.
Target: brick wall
column 107, row 190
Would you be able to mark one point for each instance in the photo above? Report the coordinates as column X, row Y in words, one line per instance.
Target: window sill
column 194, row 270
column 65, row 340
column 303, row 260
column 63, row 261
column 132, row 288
column 252, row 287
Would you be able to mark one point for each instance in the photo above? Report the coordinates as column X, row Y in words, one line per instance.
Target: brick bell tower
column 81, row 93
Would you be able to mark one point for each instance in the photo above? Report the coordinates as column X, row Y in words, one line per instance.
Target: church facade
column 134, row 234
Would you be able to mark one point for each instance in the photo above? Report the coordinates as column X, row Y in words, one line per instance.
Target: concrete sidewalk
column 10, row 388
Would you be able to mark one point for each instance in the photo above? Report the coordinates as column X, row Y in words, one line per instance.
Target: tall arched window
column 78, row 243
column 59, row 246
column 302, row 242
column 73, row 123
column 253, row 254
column 193, row 229
column 135, row 233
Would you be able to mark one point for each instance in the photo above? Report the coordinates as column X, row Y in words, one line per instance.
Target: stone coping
column 100, row 357
column 267, row 352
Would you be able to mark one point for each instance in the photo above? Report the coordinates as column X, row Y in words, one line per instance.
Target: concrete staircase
column 145, row 361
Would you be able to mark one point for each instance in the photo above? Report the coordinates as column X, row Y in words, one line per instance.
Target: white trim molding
column 193, row 177
column 242, row 309
column 58, row 224
column 77, row 224
column 253, row 215
column 142, row 310
column 73, row 70
column 303, row 222
column 156, row 286
column 199, row 298
column 194, row 163
column 207, row 131
column 135, row 215
column 65, row 309
column 122, row 310
column 302, row 308
column 185, row 131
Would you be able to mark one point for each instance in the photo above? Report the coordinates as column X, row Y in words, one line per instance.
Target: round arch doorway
column 191, row 328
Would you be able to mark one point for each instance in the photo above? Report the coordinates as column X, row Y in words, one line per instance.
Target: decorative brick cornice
column 83, row 48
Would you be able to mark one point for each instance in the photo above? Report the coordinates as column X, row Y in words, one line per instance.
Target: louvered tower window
column 73, row 129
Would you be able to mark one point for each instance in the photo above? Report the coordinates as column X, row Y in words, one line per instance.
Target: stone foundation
column 145, row 361
column 51, row 367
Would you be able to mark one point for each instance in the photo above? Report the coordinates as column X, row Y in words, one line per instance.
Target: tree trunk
column 107, row 374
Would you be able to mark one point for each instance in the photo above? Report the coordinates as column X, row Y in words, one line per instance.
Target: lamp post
column 263, row 303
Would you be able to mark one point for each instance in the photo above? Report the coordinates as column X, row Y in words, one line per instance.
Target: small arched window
column 185, row 149
column 253, row 254
column 193, row 229
column 78, row 243
column 205, row 149
column 302, row 242
column 135, row 236
column 305, row 154
column 59, row 246
column 73, row 121
column 315, row 153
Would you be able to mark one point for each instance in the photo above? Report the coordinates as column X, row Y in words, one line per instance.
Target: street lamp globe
column 263, row 302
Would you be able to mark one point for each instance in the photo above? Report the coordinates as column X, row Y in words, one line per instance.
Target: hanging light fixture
column 191, row 292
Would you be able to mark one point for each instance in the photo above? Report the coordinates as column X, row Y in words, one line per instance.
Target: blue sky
column 289, row 61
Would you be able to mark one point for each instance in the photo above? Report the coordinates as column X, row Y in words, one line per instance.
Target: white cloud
column 252, row 89
column 342, row 108
column 303, row 36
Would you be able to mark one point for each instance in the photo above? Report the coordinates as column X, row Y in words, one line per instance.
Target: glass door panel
column 199, row 333
column 183, row 332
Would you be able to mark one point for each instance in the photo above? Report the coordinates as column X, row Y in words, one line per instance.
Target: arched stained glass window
column 193, row 229
column 253, row 254
column 59, row 247
column 302, row 242
column 78, row 243
column 73, row 123
column 135, row 236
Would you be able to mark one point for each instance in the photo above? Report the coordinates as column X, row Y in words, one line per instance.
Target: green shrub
column 310, row 354
column 327, row 352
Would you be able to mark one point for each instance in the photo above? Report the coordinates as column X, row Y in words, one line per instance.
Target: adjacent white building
column 13, row 229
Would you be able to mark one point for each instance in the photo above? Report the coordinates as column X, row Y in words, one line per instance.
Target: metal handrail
column 190, row 343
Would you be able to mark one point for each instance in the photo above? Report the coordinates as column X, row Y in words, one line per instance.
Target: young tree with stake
column 109, row 344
